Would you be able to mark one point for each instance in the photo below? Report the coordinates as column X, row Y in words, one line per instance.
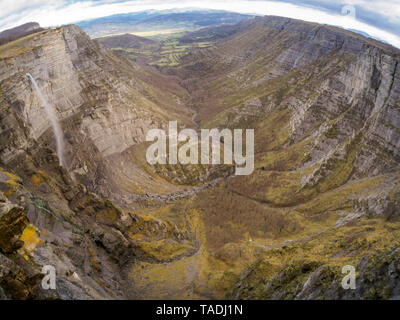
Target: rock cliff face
column 330, row 80
column 334, row 91
column 325, row 107
column 105, row 105
column 324, row 104
column 101, row 100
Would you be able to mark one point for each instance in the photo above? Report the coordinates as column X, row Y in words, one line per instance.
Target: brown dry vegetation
column 229, row 217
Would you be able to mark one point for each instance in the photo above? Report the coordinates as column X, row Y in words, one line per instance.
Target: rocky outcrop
column 377, row 278
column 88, row 240
column 12, row 223
column 19, row 32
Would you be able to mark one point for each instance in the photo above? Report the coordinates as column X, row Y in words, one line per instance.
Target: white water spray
column 54, row 123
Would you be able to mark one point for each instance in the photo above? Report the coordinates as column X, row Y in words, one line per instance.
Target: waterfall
column 54, row 123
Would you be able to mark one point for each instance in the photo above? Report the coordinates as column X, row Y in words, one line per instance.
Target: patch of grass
column 36, row 180
column 284, row 159
column 17, row 47
column 333, row 132
column 339, row 198
column 163, row 250
column 30, row 238
column 94, row 261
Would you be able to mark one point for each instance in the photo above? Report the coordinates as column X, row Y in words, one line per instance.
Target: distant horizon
column 378, row 19
column 360, row 32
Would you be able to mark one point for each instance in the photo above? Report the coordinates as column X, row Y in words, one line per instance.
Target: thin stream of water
column 54, row 122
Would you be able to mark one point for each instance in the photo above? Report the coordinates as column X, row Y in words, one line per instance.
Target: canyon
column 325, row 192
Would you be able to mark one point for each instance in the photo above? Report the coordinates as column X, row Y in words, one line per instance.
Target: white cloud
column 389, row 9
column 59, row 12
column 9, row 7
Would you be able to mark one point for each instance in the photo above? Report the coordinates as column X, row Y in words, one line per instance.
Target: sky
column 378, row 18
